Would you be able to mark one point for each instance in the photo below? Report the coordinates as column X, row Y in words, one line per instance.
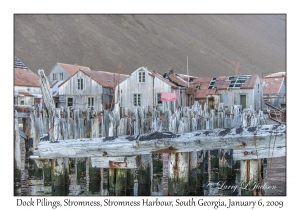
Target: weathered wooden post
column 178, row 173
column 193, row 165
column 104, row 181
column 17, row 157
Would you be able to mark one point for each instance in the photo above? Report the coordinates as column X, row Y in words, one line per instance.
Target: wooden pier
column 187, row 154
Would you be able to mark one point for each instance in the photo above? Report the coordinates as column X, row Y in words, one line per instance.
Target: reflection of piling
column 178, row 173
column 94, row 179
column 81, row 175
column 58, row 177
column 143, row 174
column 47, row 177
column 130, row 182
column 225, row 164
column 157, row 174
column 250, row 177
column 121, row 178
column 111, row 181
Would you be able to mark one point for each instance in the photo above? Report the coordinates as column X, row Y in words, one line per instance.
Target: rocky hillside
column 211, row 42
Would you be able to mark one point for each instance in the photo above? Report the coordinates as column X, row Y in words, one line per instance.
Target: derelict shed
column 26, row 87
column 62, row 71
column 88, row 88
column 143, row 88
column 244, row 90
column 274, row 89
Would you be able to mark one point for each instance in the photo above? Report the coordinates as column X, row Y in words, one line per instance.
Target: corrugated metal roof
column 221, row 83
column 26, row 78
column 203, row 82
column 177, row 79
column 157, row 75
column 271, row 85
column 202, row 93
column 72, row 69
column 278, row 74
column 105, row 79
column 250, row 83
column 25, row 94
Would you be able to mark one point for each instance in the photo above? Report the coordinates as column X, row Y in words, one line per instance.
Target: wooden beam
column 248, row 138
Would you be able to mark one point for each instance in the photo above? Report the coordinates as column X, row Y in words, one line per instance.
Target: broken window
column 61, row 76
column 237, row 81
column 212, row 83
column 70, row 102
column 90, row 101
column 137, row 99
column 142, row 76
column 80, row 84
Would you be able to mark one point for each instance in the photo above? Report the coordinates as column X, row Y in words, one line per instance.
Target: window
column 61, row 76
column 70, row 102
column 137, row 99
column 53, row 76
column 90, row 101
column 159, row 98
column 141, row 76
column 80, row 84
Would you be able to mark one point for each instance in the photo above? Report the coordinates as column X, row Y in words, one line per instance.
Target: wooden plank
column 114, row 162
column 234, row 138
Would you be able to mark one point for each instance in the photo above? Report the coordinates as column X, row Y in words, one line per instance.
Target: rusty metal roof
column 250, row 83
column 157, row 75
column 203, row 82
column 106, row 79
column 278, row 74
column 26, row 78
column 271, row 85
column 202, row 93
column 177, row 79
column 72, row 69
column 25, row 94
column 222, row 83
